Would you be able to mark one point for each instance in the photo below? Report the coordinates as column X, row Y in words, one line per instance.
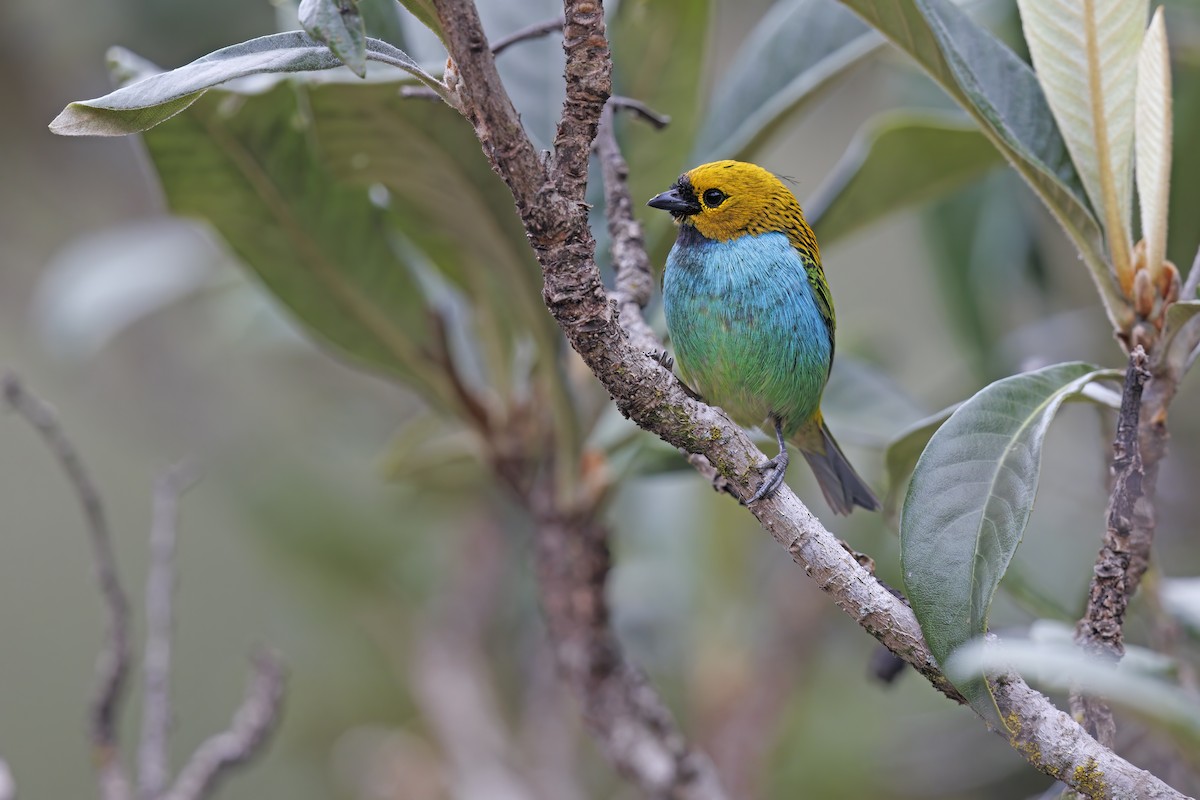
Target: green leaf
column 1086, row 56
column 426, row 14
column 898, row 159
column 1002, row 94
column 338, row 24
column 1152, row 127
column 152, row 100
column 320, row 246
column 968, row 504
column 1064, row 667
column 445, row 200
column 658, row 58
column 797, row 50
column 383, row 19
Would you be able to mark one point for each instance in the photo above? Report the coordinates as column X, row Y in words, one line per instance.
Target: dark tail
column 841, row 485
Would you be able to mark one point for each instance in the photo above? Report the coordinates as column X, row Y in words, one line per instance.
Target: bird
column 751, row 319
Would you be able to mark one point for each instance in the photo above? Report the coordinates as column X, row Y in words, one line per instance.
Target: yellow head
column 727, row 199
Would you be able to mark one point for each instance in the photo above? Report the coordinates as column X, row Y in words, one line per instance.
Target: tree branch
column 112, row 665
column 153, row 753
column 1099, row 631
column 556, row 222
column 634, row 279
column 631, row 724
column 252, row 726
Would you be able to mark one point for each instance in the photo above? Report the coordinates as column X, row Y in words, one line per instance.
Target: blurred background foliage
column 346, row 518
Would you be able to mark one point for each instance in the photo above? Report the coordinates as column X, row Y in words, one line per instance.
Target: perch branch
column 252, row 726
column 1099, row 631
column 555, row 218
column 153, row 752
column 112, row 665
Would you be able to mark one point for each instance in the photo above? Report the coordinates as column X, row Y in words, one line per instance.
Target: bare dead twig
column 534, row 31
column 153, row 760
column 643, row 111
column 1099, row 631
column 634, row 279
column 252, row 725
column 259, row 711
column 550, row 202
column 112, row 665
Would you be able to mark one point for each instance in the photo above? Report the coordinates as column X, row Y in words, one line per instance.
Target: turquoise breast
column 745, row 328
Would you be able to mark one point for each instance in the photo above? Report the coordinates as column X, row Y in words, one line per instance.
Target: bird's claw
column 663, row 359
column 774, row 469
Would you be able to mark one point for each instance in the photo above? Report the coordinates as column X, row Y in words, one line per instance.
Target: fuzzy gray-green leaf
column 968, row 504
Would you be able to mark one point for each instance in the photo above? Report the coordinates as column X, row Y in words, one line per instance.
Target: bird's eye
column 714, row 198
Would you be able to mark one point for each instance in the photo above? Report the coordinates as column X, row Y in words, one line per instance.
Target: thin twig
column 631, row 266
column 153, row 760
column 252, row 725
column 112, row 665
column 534, row 31
column 1099, row 631
column 641, row 110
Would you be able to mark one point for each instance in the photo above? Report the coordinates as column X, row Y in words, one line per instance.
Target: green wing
column 820, row 287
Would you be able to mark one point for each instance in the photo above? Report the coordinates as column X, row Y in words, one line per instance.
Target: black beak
column 675, row 201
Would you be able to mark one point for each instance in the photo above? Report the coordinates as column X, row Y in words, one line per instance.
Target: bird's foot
column 774, row 469
column 663, row 359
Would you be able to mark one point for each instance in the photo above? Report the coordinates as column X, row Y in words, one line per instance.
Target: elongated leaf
column 338, row 24
column 383, row 20
column 1065, row 667
column 1152, row 122
column 148, row 102
column 652, row 42
column 1086, row 56
column 968, row 504
column 798, row 49
column 244, row 165
column 426, row 13
column 898, row 159
column 1003, row 95
column 446, row 201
